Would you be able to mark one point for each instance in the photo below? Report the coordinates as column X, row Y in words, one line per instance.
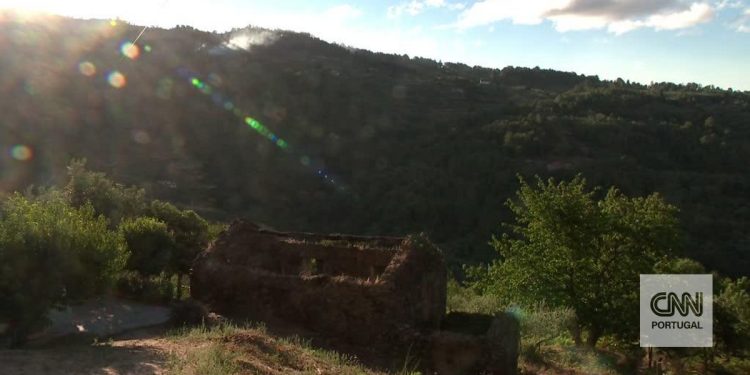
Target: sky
column 703, row 41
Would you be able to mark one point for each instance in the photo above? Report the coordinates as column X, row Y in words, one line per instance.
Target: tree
column 190, row 233
column 150, row 243
column 113, row 200
column 51, row 254
column 569, row 249
column 732, row 315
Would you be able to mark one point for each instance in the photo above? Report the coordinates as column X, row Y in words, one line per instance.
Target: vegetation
column 190, row 234
column 108, row 198
column 58, row 247
column 229, row 349
column 150, row 243
column 564, row 238
column 415, row 144
column 51, row 254
column 569, row 264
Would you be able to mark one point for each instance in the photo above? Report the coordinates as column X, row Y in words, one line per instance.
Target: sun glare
column 36, row 8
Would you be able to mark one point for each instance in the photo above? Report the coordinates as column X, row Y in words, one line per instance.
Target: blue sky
column 704, row 41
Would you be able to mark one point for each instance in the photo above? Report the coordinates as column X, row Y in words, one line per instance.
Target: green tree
column 190, row 233
column 569, row 249
column 732, row 315
column 51, row 254
column 150, row 243
column 113, row 200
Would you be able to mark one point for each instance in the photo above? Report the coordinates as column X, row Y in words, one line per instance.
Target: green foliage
column 214, row 229
column 151, row 289
column 446, row 136
column 150, row 243
column 211, row 359
column 732, row 316
column 189, row 230
column 113, row 200
column 684, row 266
column 51, row 254
column 569, row 249
column 462, row 299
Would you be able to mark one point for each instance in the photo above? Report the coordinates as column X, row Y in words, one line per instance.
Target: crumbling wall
column 360, row 288
column 470, row 344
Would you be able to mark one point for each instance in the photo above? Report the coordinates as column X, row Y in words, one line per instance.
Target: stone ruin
column 387, row 292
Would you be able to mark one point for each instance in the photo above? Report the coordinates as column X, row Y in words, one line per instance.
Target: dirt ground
column 138, row 353
column 69, row 345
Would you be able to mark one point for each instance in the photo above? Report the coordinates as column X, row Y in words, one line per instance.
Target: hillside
column 346, row 140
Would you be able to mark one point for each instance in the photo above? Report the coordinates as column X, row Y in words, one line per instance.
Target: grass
column 546, row 346
column 229, row 349
column 212, row 359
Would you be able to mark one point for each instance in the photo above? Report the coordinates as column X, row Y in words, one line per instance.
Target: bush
column 51, row 254
column 149, row 289
column 150, row 243
column 190, row 233
column 113, row 200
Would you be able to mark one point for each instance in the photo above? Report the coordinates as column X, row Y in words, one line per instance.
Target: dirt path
column 132, row 356
column 68, row 345
column 102, row 318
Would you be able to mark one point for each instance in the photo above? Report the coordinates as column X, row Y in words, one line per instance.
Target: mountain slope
column 348, row 140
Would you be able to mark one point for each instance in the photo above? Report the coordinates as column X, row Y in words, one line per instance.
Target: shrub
column 150, row 243
column 150, row 289
column 190, row 233
column 113, row 200
column 51, row 254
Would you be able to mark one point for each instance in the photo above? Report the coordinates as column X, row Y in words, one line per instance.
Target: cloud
column 731, row 4
column 743, row 23
column 616, row 16
column 415, row 7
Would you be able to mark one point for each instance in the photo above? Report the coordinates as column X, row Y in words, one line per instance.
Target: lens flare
column 113, row 23
column 87, row 68
column 130, row 50
column 21, row 152
column 254, row 124
column 147, row 48
column 116, row 79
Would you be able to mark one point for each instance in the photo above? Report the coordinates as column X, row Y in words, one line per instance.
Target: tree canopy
column 567, row 247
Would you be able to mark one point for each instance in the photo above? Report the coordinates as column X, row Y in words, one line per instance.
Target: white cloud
column 698, row 13
column 731, row 4
column 617, row 17
column 743, row 23
column 415, row 7
column 530, row 12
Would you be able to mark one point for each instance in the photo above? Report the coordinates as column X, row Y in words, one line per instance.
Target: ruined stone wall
column 359, row 288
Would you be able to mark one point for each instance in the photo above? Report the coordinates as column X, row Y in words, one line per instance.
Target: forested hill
column 346, row 140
